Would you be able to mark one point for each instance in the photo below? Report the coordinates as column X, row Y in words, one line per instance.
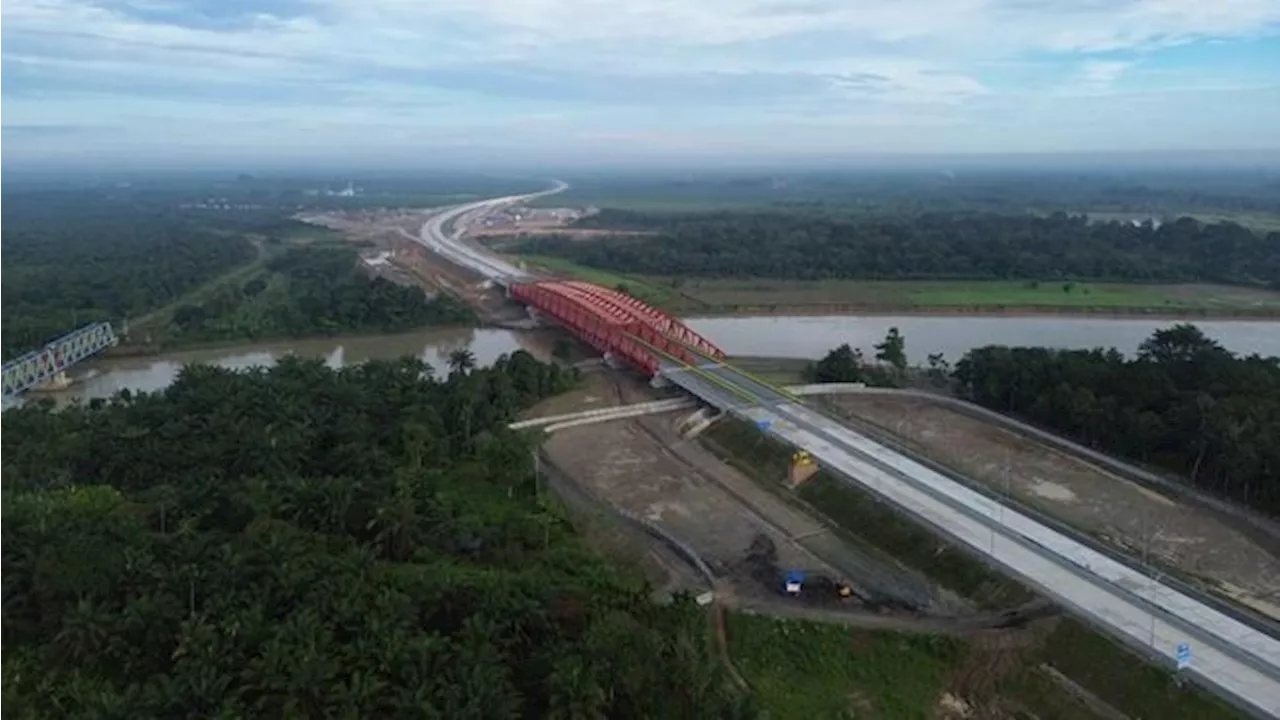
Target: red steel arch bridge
column 617, row 324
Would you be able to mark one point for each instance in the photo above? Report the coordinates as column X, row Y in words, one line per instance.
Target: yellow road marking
column 703, row 373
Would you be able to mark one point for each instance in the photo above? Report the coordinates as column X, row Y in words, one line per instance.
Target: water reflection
column 812, row 337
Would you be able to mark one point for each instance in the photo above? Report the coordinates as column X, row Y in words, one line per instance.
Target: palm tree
column 461, row 361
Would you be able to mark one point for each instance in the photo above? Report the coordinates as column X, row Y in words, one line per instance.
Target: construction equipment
column 802, row 469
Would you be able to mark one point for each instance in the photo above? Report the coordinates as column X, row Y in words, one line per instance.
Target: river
column 800, row 337
column 953, row 336
column 105, row 376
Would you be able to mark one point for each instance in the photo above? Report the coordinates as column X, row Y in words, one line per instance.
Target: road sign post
column 1182, row 654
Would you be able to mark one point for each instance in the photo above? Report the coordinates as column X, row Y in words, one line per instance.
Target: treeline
column 313, row 291
column 73, row 258
column 307, row 542
column 1010, row 190
column 929, row 245
column 1184, row 404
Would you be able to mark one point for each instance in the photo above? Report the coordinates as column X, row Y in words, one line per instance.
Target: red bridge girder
column 613, row 321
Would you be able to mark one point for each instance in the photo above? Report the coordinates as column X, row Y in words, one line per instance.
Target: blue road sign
column 763, row 425
column 1183, row 655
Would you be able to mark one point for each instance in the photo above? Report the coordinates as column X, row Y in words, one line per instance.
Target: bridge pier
column 701, row 419
column 58, row 382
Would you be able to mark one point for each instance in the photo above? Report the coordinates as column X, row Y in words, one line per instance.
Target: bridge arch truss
column 614, row 322
column 39, row 366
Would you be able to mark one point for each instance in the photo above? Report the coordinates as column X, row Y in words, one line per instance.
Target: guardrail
column 1126, row 470
column 619, row 411
column 634, row 412
column 1107, row 585
column 1231, row 611
column 1236, row 612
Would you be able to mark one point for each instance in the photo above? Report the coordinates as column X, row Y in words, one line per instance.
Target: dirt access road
column 1145, row 523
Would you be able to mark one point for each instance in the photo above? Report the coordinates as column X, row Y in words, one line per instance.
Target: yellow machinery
column 802, row 468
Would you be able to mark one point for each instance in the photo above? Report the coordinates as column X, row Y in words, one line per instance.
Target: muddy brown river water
column 797, row 337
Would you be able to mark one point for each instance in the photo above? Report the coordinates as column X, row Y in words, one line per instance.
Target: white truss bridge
column 41, row 366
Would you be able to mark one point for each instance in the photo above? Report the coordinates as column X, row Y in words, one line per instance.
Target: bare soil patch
column 1139, row 520
column 645, row 468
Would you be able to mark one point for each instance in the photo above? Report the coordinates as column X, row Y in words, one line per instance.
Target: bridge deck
column 40, row 366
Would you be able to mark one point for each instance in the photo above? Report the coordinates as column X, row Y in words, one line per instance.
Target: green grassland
column 654, row 292
column 802, row 669
column 694, row 296
column 981, row 294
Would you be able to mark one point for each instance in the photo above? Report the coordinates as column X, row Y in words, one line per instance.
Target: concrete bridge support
column 59, row 381
column 693, row 425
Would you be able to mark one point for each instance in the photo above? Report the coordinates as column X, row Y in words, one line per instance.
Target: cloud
column 581, row 68
column 14, row 131
column 1099, row 74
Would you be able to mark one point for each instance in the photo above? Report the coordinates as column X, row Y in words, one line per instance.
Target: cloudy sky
column 157, row 79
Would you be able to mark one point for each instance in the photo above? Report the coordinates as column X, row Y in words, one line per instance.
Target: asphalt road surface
column 440, row 236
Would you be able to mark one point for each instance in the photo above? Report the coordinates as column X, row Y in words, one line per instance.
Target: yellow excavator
column 802, row 468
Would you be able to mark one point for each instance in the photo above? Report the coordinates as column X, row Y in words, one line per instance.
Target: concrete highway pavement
column 616, row 412
column 439, row 236
column 1241, row 662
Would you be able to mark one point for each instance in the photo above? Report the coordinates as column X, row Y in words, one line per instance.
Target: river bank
column 795, row 337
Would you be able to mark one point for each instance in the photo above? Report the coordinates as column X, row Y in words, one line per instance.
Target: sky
column 421, row 81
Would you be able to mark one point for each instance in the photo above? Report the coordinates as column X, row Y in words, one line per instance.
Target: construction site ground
column 643, row 466
column 1145, row 523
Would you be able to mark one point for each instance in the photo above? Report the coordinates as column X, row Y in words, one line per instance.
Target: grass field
column 716, row 296
column 654, row 292
column 801, row 669
column 913, row 294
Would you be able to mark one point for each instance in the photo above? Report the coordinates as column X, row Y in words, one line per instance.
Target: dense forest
column 73, row 258
column 946, row 184
column 1184, row 404
column 307, row 542
column 313, row 291
column 929, row 245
